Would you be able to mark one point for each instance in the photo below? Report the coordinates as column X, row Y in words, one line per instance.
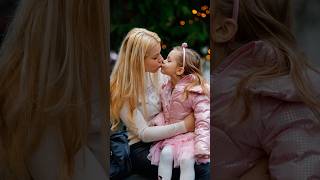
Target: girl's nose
column 164, row 61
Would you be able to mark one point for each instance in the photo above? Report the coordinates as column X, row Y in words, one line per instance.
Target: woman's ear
column 225, row 30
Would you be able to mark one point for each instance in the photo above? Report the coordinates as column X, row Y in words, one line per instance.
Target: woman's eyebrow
column 156, row 55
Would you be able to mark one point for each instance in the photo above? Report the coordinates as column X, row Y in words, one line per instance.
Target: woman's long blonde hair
column 127, row 84
column 270, row 21
column 53, row 52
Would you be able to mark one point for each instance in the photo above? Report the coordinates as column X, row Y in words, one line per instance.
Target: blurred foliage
column 163, row 17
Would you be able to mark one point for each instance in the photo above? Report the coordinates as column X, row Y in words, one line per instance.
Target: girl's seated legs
column 165, row 164
column 187, row 169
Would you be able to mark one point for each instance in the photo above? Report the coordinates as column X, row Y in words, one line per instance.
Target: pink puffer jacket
column 175, row 109
column 281, row 127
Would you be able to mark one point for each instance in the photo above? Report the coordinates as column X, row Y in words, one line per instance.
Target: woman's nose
column 161, row 59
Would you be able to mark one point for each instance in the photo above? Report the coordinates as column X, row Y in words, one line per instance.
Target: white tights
column 166, row 162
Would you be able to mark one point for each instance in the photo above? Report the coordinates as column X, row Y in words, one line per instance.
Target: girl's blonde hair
column 48, row 61
column 192, row 66
column 127, row 84
column 270, row 21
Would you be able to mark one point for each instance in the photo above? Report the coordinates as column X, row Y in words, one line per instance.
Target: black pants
column 142, row 166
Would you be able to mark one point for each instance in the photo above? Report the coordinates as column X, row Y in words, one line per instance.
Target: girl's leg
column 165, row 164
column 187, row 169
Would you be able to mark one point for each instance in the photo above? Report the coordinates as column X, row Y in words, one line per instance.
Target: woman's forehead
column 154, row 50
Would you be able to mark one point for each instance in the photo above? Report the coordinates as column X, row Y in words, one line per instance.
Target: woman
column 52, row 71
column 135, row 84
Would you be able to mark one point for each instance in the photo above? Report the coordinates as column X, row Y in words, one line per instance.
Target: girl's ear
column 179, row 71
column 226, row 30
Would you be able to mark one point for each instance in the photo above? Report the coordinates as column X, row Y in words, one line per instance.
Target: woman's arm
column 153, row 133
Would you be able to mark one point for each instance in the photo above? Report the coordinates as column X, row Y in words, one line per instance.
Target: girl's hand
column 202, row 156
column 189, row 122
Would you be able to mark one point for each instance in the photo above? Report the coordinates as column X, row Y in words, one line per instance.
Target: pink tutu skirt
column 182, row 147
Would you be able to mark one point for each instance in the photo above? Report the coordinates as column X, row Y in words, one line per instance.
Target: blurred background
column 175, row 21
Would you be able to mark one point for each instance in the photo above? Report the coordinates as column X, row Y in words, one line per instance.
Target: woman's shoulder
column 163, row 79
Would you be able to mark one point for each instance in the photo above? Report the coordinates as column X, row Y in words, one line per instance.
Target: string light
column 207, row 12
column 182, row 23
column 194, row 11
column 203, row 15
column 203, row 8
column 208, row 57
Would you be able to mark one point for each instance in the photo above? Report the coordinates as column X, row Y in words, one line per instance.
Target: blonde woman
column 135, row 84
column 52, row 71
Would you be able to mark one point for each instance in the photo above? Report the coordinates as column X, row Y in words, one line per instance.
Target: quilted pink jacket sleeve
column 292, row 140
column 201, row 106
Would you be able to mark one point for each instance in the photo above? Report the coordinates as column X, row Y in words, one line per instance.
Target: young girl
column 265, row 103
column 185, row 92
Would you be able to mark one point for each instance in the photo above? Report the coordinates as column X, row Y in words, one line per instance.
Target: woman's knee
column 202, row 171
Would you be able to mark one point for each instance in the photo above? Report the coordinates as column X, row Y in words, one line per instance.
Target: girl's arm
column 201, row 106
column 153, row 133
column 291, row 139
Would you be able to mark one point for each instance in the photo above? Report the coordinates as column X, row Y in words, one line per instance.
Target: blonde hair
column 48, row 60
column 270, row 21
column 127, row 84
column 192, row 66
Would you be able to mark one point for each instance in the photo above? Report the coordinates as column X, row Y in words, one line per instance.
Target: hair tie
column 184, row 46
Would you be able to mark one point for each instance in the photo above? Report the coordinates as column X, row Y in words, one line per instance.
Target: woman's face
column 153, row 59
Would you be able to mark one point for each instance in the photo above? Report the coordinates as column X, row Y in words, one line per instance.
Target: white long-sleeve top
column 145, row 131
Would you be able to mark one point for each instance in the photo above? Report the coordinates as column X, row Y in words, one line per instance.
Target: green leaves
column 172, row 20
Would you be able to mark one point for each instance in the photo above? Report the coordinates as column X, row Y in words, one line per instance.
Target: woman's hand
column 259, row 171
column 189, row 122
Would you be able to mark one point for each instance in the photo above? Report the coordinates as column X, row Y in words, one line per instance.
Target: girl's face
column 170, row 65
column 153, row 60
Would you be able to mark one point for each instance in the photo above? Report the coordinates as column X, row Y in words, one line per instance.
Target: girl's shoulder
column 199, row 89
